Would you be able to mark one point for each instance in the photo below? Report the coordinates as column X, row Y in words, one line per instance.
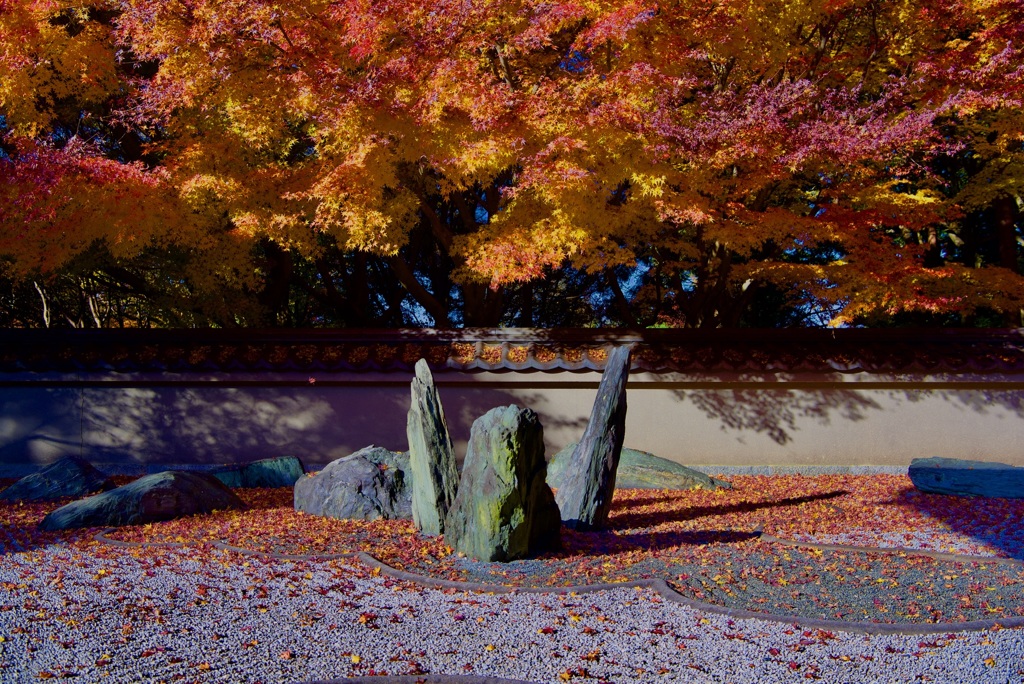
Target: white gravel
column 168, row 617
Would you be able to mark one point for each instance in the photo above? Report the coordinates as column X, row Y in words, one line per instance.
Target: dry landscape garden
column 336, row 574
column 255, row 167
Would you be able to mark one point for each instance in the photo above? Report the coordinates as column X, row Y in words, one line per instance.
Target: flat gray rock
column 366, row 485
column 960, row 477
column 152, row 498
column 268, row 472
column 641, row 470
column 70, row 476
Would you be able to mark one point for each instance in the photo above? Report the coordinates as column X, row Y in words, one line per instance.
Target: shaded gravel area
column 103, row 614
column 897, row 588
column 187, row 610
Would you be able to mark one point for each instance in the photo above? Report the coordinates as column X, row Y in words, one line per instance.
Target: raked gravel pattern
column 168, row 616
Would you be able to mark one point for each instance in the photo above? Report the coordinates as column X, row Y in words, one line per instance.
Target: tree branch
column 429, row 302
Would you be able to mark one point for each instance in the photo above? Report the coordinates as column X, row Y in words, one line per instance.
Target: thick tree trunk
column 277, row 283
column 1006, row 215
column 483, row 306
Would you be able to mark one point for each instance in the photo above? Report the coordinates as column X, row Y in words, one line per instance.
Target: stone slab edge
column 799, row 469
column 114, row 468
column 659, row 585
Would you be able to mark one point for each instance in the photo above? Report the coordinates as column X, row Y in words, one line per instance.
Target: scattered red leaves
column 700, row 540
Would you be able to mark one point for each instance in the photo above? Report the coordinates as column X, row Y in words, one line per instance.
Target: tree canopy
column 699, row 163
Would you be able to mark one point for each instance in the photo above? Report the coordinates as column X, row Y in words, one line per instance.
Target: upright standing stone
column 504, row 509
column 431, row 458
column 585, row 497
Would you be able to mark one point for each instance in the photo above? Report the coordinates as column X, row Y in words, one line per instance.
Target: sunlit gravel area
column 95, row 613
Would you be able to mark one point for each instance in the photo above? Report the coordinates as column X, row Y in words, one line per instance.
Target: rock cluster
column 68, row 476
column 960, row 477
column 585, row 495
column 366, row 485
column 152, row 498
column 267, row 472
column 504, row 509
column 431, row 457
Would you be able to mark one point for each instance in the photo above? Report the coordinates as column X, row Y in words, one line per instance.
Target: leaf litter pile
column 707, row 544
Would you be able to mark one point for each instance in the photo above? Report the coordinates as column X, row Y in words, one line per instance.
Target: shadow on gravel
column 575, row 544
column 629, row 521
column 665, row 540
column 991, row 521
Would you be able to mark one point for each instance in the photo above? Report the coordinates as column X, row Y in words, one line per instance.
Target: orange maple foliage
column 723, row 147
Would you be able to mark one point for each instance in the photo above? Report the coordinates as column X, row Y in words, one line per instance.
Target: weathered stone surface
column 967, row 478
column 641, row 470
column 504, row 509
column 268, row 472
column 69, row 476
column 366, row 485
column 152, row 498
column 585, row 497
column 435, row 477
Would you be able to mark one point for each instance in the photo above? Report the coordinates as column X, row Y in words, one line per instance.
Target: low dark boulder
column 372, row 483
column 960, row 477
column 268, row 472
column 152, row 498
column 641, row 470
column 70, row 476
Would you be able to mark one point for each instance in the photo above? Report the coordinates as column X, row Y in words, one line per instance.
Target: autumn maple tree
column 684, row 163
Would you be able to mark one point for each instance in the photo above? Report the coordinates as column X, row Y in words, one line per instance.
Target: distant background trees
column 182, row 163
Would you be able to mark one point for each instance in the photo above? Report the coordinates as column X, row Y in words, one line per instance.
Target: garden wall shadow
column 138, row 429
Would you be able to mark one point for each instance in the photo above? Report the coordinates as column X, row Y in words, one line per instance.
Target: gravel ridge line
column 657, row 584
column 421, row 679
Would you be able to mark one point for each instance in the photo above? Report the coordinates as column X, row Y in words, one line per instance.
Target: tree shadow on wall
column 140, row 428
column 777, row 413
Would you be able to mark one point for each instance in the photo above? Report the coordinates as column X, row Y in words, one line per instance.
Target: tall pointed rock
column 431, row 458
column 585, row 497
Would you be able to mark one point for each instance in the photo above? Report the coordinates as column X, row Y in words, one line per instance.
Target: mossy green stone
column 282, row 471
column 504, row 509
column 641, row 470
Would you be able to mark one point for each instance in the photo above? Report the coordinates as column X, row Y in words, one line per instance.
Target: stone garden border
column 421, row 679
column 659, row 585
